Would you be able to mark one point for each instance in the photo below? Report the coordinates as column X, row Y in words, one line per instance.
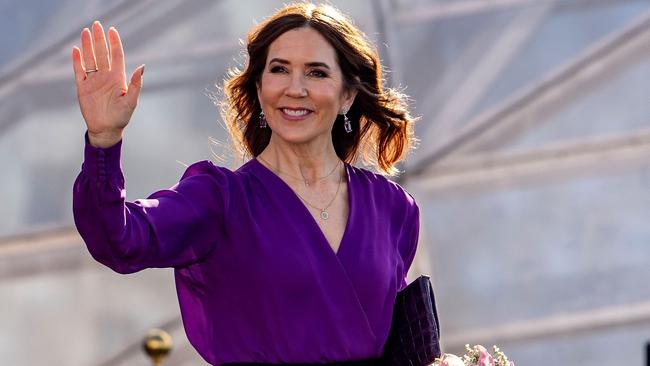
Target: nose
column 296, row 87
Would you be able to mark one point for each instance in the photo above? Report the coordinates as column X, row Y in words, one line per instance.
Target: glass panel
column 437, row 55
column 25, row 20
column 618, row 104
column 82, row 316
column 565, row 33
column 530, row 252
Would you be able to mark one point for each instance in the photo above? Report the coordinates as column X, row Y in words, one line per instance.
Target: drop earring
column 346, row 121
column 263, row 123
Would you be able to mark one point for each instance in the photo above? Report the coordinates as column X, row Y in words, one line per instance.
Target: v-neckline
column 306, row 211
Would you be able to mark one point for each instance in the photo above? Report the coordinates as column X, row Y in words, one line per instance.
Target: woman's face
column 301, row 89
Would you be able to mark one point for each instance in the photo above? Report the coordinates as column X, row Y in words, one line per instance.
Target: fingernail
column 142, row 70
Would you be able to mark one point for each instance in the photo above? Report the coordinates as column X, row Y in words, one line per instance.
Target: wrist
column 104, row 139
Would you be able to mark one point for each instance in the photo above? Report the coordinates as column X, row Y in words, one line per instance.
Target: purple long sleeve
column 172, row 227
column 256, row 279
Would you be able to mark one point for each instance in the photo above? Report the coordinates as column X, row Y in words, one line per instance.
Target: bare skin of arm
column 106, row 101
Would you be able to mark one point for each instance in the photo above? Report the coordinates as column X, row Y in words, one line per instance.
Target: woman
column 295, row 257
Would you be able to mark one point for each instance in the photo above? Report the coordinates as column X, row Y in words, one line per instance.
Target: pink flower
column 484, row 357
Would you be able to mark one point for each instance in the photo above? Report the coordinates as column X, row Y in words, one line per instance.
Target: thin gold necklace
column 305, row 180
column 324, row 215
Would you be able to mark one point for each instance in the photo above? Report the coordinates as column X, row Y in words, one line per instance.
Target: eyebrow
column 310, row 64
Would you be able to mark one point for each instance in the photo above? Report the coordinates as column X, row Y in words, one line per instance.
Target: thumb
column 135, row 85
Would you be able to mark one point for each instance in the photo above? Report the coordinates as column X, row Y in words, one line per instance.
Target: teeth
column 295, row 112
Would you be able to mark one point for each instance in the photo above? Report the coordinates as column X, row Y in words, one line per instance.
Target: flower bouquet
column 475, row 356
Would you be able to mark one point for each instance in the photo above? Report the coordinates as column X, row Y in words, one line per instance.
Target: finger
column 135, row 86
column 79, row 73
column 87, row 50
column 117, row 52
column 99, row 44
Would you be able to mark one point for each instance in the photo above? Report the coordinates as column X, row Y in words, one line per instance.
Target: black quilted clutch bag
column 414, row 338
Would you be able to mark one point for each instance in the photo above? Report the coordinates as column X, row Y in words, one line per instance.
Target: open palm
column 105, row 99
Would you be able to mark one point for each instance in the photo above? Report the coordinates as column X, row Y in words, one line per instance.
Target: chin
column 296, row 135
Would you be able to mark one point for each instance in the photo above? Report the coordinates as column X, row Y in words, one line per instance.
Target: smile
column 295, row 114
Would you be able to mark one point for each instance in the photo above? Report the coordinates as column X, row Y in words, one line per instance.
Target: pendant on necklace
column 324, row 215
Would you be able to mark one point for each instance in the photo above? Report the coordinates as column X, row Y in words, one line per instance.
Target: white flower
column 449, row 360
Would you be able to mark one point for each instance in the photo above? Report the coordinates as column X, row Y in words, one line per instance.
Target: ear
column 259, row 92
column 349, row 94
column 348, row 98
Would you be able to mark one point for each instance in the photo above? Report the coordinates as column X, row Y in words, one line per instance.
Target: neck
column 309, row 162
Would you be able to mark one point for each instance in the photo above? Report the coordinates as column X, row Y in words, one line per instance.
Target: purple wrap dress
column 256, row 279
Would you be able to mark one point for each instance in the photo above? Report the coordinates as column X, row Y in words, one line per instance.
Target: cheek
column 272, row 87
column 328, row 96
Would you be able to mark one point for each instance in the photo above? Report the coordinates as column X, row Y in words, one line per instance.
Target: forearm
column 99, row 210
column 172, row 227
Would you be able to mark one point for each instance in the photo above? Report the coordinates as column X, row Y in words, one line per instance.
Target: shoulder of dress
column 383, row 185
column 203, row 167
column 209, row 169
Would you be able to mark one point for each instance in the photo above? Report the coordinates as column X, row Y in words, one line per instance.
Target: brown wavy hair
column 382, row 126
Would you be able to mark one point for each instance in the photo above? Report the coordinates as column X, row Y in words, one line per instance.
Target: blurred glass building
column 532, row 172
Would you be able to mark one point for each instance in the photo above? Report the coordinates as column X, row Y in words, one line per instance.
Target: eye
column 277, row 69
column 318, row 73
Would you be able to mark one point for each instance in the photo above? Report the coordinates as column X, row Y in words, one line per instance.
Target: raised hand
column 106, row 101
